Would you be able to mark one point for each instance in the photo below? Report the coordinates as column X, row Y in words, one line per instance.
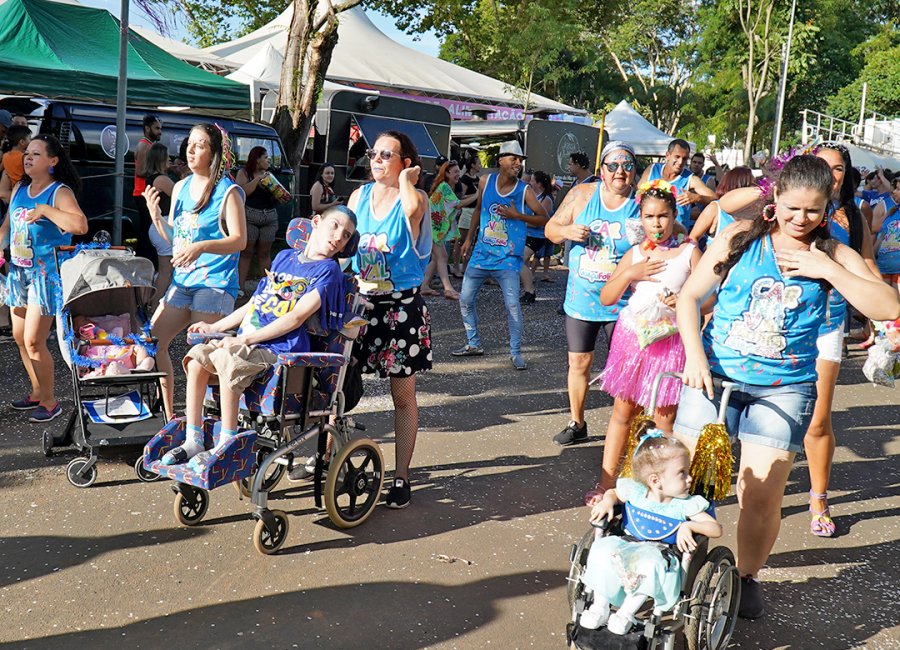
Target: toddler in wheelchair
column 299, row 286
column 626, row 570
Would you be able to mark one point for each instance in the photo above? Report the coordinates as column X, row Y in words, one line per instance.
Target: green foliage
column 209, row 21
column 882, row 73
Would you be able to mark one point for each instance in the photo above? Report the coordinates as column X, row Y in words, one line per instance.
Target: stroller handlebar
column 723, row 384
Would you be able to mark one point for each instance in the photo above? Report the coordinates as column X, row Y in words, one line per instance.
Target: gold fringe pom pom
column 639, row 424
column 712, row 463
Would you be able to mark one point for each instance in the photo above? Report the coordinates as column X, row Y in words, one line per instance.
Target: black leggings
column 581, row 335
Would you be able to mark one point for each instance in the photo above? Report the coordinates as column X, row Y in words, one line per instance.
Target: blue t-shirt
column 837, row 306
column 764, row 326
column 209, row 269
column 388, row 258
column 501, row 242
column 293, row 276
column 682, row 182
column 888, row 256
column 592, row 262
column 31, row 244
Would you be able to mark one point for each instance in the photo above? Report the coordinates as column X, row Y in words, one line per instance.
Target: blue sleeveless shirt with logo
column 837, row 306
column 501, row 242
column 592, row 262
column 388, row 259
column 764, row 327
column 538, row 231
column 683, row 182
column 888, row 256
column 31, row 244
column 209, row 269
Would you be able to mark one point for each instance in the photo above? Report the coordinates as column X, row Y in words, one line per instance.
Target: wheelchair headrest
column 299, row 230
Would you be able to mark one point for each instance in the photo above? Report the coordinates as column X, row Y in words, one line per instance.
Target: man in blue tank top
column 505, row 206
column 674, row 169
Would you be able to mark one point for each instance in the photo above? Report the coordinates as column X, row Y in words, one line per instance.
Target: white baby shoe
column 595, row 616
column 619, row 624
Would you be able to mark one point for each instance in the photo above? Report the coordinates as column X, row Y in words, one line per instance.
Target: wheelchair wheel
column 191, row 507
column 353, row 486
column 714, row 611
column 143, row 474
column 75, row 475
column 266, row 541
column 578, row 559
column 273, row 475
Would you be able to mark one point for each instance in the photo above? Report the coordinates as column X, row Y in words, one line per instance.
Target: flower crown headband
column 659, row 185
column 766, row 182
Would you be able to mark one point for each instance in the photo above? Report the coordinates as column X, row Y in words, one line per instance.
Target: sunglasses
column 614, row 167
column 384, row 154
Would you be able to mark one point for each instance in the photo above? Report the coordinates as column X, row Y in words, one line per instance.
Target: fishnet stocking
column 406, row 423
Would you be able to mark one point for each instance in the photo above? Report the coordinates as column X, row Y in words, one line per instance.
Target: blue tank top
column 388, row 259
column 888, row 256
column 209, row 269
column 31, row 244
column 837, row 306
column 538, row 231
column 592, row 262
column 501, row 242
column 725, row 220
column 764, row 327
column 683, row 182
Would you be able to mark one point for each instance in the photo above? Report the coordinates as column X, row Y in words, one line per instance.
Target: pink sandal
column 595, row 496
column 821, row 524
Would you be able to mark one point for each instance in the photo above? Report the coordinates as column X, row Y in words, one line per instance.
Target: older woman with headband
column 207, row 229
column 593, row 217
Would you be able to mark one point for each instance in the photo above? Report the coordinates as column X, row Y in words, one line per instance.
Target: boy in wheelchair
column 626, row 570
column 300, row 285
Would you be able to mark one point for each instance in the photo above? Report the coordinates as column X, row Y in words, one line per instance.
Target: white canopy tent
column 365, row 55
column 626, row 124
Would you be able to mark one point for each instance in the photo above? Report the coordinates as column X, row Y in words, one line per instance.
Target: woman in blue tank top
column 394, row 248
column 773, row 275
column 535, row 242
column 207, row 229
column 43, row 214
column 714, row 219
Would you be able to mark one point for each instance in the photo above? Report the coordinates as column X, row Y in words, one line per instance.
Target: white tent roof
column 366, row 55
column 869, row 159
column 187, row 53
column 626, row 124
column 264, row 67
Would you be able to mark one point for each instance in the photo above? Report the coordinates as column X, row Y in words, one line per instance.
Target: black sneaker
column 571, row 434
column 528, row 298
column 752, row 605
column 399, row 494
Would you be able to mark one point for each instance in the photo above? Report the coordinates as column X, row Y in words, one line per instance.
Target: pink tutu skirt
column 630, row 371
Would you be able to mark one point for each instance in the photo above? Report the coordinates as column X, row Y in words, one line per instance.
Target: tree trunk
column 748, row 141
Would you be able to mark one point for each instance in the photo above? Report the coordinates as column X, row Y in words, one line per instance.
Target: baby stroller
column 114, row 412
column 710, row 589
column 301, row 398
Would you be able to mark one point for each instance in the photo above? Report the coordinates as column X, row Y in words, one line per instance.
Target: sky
column 428, row 43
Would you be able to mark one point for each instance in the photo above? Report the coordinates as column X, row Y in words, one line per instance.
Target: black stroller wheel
column 78, row 476
column 578, row 559
column 268, row 541
column 144, row 475
column 354, row 482
column 47, row 443
column 714, row 611
column 191, row 506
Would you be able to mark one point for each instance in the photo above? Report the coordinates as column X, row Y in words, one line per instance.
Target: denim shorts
column 201, row 299
column 771, row 416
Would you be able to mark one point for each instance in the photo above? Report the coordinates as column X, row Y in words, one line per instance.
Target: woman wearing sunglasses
column 593, row 217
column 394, row 247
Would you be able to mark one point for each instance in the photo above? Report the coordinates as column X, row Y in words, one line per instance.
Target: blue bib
column 31, row 244
column 683, row 182
column 592, row 262
column 501, row 242
column 764, row 327
column 388, row 259
column 208, row 270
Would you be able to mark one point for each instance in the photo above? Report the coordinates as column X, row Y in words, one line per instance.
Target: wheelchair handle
column 726, row 386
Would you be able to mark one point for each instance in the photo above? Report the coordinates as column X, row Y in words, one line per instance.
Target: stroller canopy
column 90, row 271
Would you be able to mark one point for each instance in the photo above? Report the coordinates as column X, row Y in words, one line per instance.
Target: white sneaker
column 595, row 616
column 619, row 624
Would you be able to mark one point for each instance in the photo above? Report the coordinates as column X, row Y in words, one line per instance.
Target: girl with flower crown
column 207, row 229
column 645, row 341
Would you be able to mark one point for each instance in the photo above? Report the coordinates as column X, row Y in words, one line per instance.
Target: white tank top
column 672, row 277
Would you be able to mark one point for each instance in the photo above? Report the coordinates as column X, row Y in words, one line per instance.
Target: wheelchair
column 299, row 399
column 706, row 611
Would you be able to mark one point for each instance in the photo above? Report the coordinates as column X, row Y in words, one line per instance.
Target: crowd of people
column 740, row 278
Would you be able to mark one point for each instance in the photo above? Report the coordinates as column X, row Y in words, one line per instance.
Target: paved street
column 108, row 566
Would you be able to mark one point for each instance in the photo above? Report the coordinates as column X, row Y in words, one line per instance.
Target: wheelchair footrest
column 236, row 461
column 603, row 639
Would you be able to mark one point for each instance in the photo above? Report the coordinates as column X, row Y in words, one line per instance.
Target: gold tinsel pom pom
column 638, row 425
column 712, row 463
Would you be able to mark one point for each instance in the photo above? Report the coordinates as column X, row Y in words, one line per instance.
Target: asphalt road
column 108, row 566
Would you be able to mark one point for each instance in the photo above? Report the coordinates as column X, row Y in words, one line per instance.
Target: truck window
column 243, row 145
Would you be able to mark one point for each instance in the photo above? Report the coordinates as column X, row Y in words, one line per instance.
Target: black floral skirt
column 397, row 340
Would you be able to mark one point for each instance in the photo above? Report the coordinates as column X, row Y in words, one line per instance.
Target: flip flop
column 428, row 292
column 450, row 294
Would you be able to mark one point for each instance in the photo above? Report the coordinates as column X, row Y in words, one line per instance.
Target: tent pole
column 121, row 134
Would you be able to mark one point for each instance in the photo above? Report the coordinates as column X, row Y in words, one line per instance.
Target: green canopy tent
column 72, row 52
